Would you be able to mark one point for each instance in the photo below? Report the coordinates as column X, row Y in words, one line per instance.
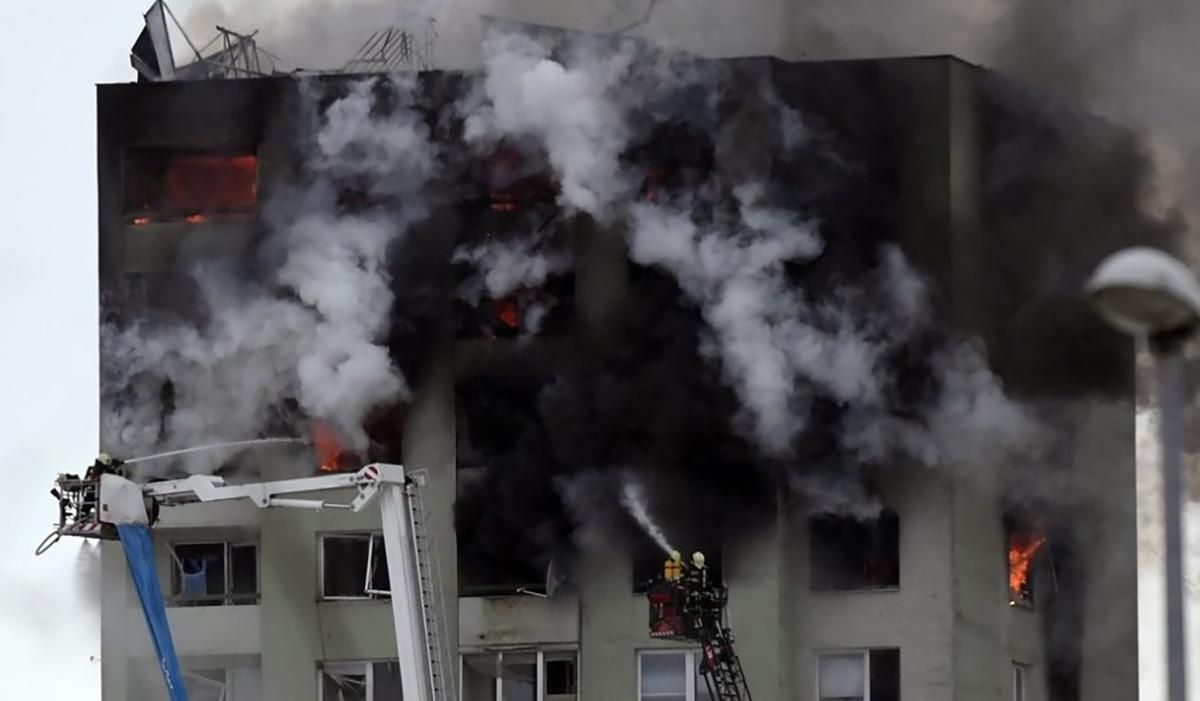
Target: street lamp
column 1152, row 296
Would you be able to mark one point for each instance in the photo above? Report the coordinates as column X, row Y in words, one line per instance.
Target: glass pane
column 380, row 581
column 243, row 564
column 343, row 687
column 664, row 674
column 345, row 561
column 702, row 684
column 479, row 677
column 387, row 682
column 245, row 684
column 841, row 676
column 518, row 677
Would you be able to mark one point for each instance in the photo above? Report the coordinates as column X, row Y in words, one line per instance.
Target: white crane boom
column 416, row 606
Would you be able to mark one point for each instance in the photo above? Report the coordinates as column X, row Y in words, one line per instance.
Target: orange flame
column 1022, row 547
column 506, row 312
column 141, row 221
column 503, row 202
column 326, row 445
column 194, row 218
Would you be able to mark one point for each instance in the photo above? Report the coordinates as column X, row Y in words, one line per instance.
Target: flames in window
column 516, row 182
column 1024, row 544
column 164, row 186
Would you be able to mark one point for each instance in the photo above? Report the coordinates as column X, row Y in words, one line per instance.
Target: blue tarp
column 139, row 553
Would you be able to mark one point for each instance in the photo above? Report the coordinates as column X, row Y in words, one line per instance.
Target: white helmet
column 698, row 559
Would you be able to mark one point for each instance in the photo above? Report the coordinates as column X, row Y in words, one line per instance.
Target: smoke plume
column 316, row 333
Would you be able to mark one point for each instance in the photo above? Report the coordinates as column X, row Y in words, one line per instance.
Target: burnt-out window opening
column 214, row 574
column 353, row 566
column 648, row 561
column 360, row 681
column 492, row 421
column 1023, row 543
column 847, row 553
column 171, row 185
column 859, row 675
column 546, row 311
column 498, row 553
column 513, row 676
column 676, row 158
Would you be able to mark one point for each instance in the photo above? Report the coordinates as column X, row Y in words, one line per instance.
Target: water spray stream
column 635, row 502
column 214, row 446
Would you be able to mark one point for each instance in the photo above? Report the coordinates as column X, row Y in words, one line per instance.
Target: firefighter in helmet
column 105, row 464
column 673, row 567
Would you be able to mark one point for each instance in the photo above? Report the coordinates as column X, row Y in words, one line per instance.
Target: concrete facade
column 957, row 635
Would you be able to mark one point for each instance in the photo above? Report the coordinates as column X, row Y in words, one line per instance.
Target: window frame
column 1020, row 676
column 863, row 653
column 368, row 594
column 227, row 597
column 542, row 656
column 366, row 667
column 691, row 672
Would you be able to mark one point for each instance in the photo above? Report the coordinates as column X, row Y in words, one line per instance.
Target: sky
column 55, row 54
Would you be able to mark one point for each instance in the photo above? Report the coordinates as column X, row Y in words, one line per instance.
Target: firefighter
column 105, row 464
column 673, row 567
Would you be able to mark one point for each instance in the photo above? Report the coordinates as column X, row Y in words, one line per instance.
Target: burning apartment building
column 817, row 320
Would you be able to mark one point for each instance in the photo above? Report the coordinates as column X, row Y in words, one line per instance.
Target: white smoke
column 570, row 110
column 739, row 281
column 317, row 335
column 778, row 346
column 634, row 501
column 505, row 266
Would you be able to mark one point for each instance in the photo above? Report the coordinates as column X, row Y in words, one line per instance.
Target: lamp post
column 1152, row 296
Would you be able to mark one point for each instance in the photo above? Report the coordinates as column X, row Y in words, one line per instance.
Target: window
column 846, row 553
column 164, row 185
column 1023, row 544
column 859, row 675
column 212, row 574
column 670, row 675
column 232, row 684
column 1018, row 682
column 353, row 566
column 519, row 676
column 360, row 681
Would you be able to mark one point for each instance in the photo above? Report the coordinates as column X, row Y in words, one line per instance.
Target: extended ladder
column 429, row 587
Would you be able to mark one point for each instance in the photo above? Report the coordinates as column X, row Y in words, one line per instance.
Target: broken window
column 867, row 675
column 496, row 552
column 670, row 675
column 1023, row 543
column 360, row 681
column 847, row 553
column 520, row 676
column 167, row 185
column 353, row 566
column 212, row 574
